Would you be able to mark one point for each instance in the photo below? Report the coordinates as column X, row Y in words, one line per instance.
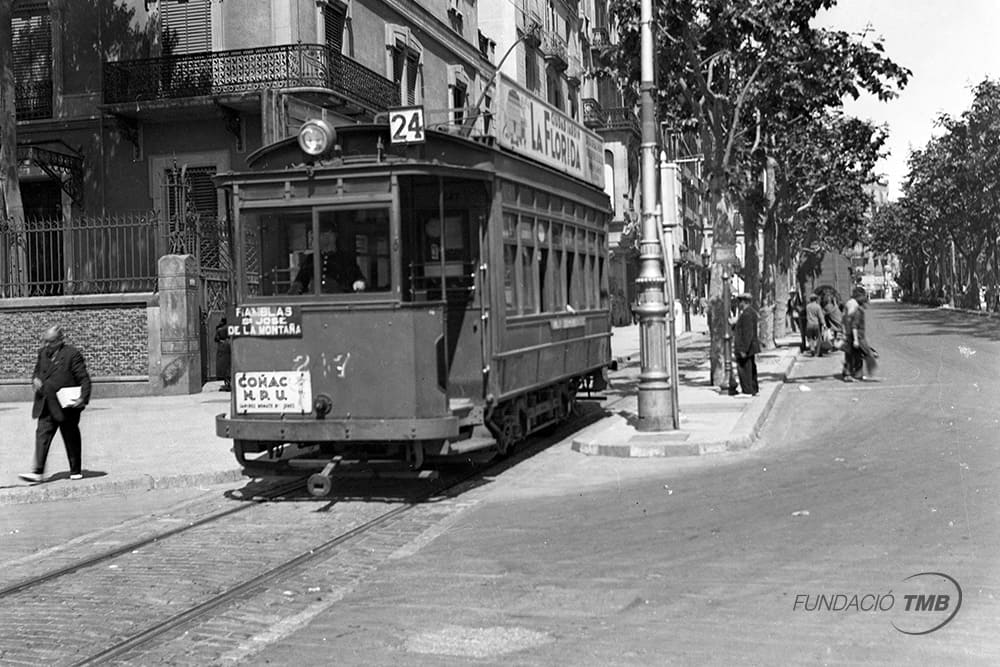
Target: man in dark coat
column 59, row 366
column 338, row 271
column 746, row 345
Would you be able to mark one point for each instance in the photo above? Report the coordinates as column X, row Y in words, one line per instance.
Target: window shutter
column 333, row 17
column 190, row 23
column 31, row 28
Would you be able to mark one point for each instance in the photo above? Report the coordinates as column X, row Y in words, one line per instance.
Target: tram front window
column 334, row 251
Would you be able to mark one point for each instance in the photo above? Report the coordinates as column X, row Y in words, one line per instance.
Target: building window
column 531, row 79
column 334, row 20
column 187, row 26
column 553, row 90
column 405, row 56
column 31, row 30
column 458, row 93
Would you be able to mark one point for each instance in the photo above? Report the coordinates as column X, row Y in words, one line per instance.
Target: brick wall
column 113, row 336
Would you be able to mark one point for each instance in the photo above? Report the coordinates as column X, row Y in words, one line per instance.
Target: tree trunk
column 771, row 301
column 723, row 212
column 14, row 257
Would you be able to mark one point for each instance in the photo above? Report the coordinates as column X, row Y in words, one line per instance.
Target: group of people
column 824, row 324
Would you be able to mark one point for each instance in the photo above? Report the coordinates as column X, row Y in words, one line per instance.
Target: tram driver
column 339, row 272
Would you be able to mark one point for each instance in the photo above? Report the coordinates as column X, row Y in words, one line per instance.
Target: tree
column 952, row 202
column 11, row 207
column 737, row 73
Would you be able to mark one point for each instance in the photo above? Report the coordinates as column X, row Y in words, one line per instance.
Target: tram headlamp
column 316, row 136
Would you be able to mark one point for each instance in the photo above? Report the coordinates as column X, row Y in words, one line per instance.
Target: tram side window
column 527, row 266
column 510, row 283
column 282, row 240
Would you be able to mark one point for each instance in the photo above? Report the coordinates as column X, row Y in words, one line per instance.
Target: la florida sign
column 537, row 130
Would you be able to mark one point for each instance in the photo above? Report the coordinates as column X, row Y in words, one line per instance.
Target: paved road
column 721, row 560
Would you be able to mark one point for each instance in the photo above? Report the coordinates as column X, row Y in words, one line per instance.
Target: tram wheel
column 510, row 428
column 319, row 485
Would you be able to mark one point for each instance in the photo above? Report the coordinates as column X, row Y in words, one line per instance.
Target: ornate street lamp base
column 656, row 410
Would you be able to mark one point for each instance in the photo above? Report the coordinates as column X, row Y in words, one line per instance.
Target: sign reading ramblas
column 537, row 130
column 267, row 322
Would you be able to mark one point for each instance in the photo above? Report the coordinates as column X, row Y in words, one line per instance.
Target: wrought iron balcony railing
column 554, row 49
column 621, row 118
column 599, row 38
column 247, row 70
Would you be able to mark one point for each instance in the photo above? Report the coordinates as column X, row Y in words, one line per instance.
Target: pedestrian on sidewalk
column 814, row 325
column 792, row 308
column 223, row 354
column 746, row 345
column 60, row 366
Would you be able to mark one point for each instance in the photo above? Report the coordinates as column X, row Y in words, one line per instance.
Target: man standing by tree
column 746, row 345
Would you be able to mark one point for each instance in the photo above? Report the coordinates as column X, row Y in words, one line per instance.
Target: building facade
column 127, row 109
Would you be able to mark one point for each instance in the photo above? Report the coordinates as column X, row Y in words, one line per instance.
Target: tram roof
column 365, row 147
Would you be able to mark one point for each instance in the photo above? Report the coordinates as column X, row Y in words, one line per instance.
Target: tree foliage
column 739, row 74
column 951, row 198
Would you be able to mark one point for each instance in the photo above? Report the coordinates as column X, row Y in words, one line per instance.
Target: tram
column 472, row 309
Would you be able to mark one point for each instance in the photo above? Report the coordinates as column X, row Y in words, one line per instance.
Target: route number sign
column 406, row 125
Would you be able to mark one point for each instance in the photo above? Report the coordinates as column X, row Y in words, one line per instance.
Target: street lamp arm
column 529, row 34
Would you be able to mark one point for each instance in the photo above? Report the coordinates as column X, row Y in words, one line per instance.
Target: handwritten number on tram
column 407, row 125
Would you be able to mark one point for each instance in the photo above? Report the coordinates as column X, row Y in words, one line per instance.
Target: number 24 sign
column 406, row 125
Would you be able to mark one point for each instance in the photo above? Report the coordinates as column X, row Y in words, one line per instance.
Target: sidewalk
column 129, row 444
column 710, row 421
column 139, row 443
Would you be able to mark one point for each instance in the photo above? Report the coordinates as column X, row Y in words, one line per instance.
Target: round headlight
column 316, row 137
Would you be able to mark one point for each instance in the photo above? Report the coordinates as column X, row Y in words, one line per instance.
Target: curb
column 665, row 444
column 47, row 491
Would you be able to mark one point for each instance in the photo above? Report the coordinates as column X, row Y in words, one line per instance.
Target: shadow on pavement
column 940, row 321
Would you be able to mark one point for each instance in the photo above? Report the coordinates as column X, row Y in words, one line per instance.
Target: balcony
column 33, row 99
column 598, row 118
column 599, row 39
column 246, row 71
column 593, row 113
column 553, row 49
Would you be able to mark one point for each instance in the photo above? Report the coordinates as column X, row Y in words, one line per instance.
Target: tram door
column 441, row 220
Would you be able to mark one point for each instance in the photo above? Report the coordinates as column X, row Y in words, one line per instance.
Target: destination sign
column 267, row 322
column 273, row 391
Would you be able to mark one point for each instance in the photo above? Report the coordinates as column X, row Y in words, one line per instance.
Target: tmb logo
column 928, row 602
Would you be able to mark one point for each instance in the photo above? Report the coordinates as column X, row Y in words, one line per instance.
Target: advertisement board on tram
column 535, row 129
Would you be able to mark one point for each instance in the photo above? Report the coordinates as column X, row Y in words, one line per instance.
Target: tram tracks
column 135, row 545
column 146, row 602
column 85, row 590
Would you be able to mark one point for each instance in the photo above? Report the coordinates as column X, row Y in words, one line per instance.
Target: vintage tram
column 470, row 307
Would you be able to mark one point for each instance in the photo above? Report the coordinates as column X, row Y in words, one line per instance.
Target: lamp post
column 655, row 401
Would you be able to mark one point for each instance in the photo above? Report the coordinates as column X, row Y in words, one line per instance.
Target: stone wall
column 135, row 344
column 115, row 332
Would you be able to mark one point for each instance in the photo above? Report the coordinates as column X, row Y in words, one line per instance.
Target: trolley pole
column 655, row 405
